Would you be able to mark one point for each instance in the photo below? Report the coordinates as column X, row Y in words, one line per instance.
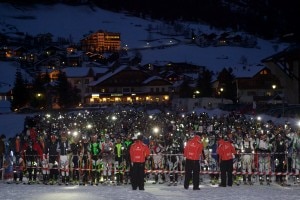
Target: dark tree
column 20, row 92
column 204, row 84
column 185, row 90
column 68, row 96
column 38, row 92
column 226, row 81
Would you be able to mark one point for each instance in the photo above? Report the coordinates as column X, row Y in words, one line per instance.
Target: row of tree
column 204, row 88
column 42, row 94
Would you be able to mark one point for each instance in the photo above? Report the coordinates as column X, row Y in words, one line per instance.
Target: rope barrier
column 170, row 171
column 165, row 171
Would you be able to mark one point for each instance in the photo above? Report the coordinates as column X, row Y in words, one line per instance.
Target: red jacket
column 226, row 150
column 139, row 152
column 193, row 148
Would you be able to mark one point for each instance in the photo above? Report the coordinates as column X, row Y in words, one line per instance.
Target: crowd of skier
column 92, row 147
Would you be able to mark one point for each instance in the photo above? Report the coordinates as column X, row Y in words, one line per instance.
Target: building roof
column 291, row 50
column 72, row 72
column 155, row 78
column 108, row 75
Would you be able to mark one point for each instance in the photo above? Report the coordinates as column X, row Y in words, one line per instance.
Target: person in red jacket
column 192, row 153
column 138, row 155
column 226, row 153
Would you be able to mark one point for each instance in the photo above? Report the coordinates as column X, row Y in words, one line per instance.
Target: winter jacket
column 63, row 148
column 31, row 155
column 51, row 151
column 139, row 152
column 193, row 148
column 226, row 150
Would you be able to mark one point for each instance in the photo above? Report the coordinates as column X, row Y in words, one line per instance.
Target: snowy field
column 153, row 192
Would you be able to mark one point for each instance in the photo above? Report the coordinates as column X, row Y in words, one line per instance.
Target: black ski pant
column 226, row 168
column 192, row 170
column 137, row 176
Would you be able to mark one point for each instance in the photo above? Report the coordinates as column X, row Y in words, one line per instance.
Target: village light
column 221, row 92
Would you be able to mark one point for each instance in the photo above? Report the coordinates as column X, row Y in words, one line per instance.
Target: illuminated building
column 101, row 42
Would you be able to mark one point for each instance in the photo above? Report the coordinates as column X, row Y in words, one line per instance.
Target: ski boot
column 284, row 184
column 261, row 180
column 171, row 183
column 201, row 180
column 236, row 181
column 250, row 182
column 244, row 180
column 101, row 179
column 76, row 182
column 67, row 180
column 62, row 180
column 213, row 181
column 161, row 181
column 155, row 179
column 106, row 180
column 97, row 182
column 45, row 179
column 268, row 180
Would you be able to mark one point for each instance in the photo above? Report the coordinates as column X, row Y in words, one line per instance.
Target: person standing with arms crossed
column 138, row 155
column 192, row 153
column 226, row 152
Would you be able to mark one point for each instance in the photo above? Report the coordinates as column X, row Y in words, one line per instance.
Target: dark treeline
column 264, row 18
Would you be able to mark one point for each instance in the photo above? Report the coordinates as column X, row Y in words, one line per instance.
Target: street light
column 221, row 92
column 282, row 98
column 274, row 88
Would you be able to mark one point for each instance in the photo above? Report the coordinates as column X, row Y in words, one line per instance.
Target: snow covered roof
column 76, row 71
column 152, row 78
column 108, row 75
column 83, row 71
